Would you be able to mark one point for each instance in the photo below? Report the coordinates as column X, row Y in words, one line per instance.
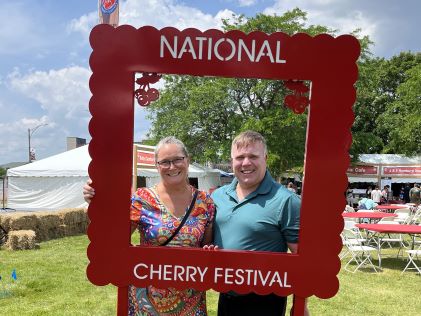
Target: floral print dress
column 156, row 224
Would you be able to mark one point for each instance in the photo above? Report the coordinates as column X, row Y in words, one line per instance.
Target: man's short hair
column 248, row 137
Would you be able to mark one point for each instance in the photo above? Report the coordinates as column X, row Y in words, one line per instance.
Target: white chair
column 416, row 218
column 349, row 224
column 360, row 254
column 403, row 215
column 412, row 257
column 348, row 209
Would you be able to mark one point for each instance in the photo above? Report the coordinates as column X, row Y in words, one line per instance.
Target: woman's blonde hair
column 171, row 140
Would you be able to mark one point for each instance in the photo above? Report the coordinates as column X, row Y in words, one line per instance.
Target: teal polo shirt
column 265, row 220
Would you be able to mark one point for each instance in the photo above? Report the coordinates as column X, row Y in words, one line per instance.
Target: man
column 376, row 195
column 385, row 194
column 415, row 194
column 254, row 213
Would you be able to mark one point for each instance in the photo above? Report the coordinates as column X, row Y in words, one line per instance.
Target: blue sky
column 44, row 54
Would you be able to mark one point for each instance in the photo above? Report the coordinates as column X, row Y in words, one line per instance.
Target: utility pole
column 31, row 131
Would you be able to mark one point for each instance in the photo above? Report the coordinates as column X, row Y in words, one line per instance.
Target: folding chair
column 348, row 209
column 349, row 223
column 393, row 239
column 412, row 254
column 360, row 254
column 416, row 218
column 403, row 215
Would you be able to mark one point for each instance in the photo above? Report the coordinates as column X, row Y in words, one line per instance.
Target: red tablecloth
column 390, row 206
column 368, row 214
column 391, row 228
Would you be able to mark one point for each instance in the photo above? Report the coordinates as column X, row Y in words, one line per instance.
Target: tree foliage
column 206, row 113
column 388, row 102
column 2, row 172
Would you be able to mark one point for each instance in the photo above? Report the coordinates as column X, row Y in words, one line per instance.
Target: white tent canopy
column 389, row 159
column 56, row 182
column 52, row 183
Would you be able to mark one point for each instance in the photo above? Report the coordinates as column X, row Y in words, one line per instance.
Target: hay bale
column 48, row 224
column 74, row 221
column 18, row 221
column 21, row 239
column 23, row 222
column 49, row 227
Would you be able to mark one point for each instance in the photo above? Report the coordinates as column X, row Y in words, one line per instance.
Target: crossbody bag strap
column 184, row 219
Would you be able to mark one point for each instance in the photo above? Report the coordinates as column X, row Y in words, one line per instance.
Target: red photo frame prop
column 328, row 62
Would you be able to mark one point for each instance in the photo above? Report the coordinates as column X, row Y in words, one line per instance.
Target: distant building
column 75, row 142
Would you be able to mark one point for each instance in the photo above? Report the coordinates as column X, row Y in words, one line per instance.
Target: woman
column 156, row 212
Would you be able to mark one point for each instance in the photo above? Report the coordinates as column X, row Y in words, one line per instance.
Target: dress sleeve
column 210, row 209
column 140, row 201
column 136, row 207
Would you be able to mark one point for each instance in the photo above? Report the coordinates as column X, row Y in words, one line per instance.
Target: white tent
column 385, row 169
column 52, row 183
column 389, row 159
column 56, row 182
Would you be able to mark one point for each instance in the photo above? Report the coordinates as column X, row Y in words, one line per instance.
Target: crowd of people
column 228, row 219
column 374, row 197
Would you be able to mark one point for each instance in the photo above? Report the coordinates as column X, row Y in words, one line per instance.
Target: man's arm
column 293, row 247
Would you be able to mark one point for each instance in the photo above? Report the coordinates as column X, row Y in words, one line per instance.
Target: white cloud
column 323, row 12
column 61, row 93
column 63, row 97
column 246, row 3
column 84, row 24
column 156, row 13
column 14, row 144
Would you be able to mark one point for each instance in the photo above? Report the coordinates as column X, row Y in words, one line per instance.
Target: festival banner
column 108, row 12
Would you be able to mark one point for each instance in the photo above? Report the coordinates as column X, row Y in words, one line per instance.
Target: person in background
column 406, row 193
column 415, row 194
column 368, row 192
column 254, row 212
column 402, row 194
column 385, row 194
column 156, row 213
column 366, row 204
column 350, row 196
column 376, row 195
column 291, row 187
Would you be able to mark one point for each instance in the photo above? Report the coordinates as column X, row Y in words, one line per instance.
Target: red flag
column 108, row 12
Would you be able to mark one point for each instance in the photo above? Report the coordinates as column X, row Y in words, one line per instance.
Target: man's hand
column 88, row 191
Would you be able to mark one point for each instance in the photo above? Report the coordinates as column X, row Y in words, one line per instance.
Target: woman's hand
column 88, row 191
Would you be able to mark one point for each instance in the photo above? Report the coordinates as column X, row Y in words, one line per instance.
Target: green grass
column 52, row 281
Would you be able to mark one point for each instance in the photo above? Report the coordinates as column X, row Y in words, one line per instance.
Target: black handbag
column 184, row 219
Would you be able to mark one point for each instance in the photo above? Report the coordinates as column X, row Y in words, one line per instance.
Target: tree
column 2, row 172
column 402, row 117
column 206, row 113
column 379, row 110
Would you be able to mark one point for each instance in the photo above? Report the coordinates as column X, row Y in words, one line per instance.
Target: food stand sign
column 328, row 62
